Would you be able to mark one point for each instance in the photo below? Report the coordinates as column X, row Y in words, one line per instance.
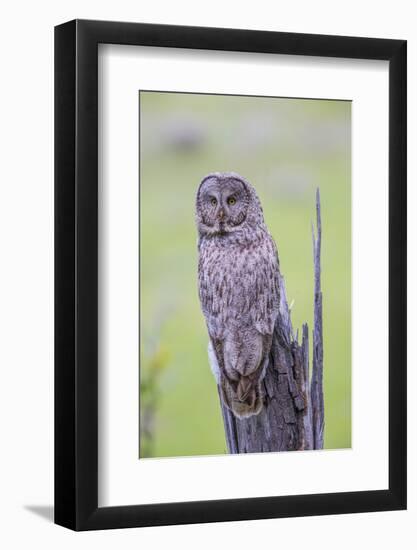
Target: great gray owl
column 238, row 275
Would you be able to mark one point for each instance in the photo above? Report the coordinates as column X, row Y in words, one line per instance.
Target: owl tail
column 245, row 400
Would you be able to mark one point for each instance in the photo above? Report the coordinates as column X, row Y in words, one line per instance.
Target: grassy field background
column 286, row 148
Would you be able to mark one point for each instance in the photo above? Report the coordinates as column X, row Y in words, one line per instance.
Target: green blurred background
column 286, row 148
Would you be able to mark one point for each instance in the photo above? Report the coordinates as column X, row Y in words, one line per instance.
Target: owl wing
column 213, row 297
column 265, row 292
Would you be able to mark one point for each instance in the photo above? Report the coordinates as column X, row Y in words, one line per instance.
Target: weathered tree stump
column 292, row 418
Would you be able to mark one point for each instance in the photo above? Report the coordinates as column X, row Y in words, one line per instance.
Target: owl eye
column 231, row 201
column 213, row 201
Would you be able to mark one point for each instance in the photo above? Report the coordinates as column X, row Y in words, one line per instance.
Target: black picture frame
column 76, row 273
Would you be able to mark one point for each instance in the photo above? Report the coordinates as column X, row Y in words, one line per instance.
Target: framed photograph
column 230, row 275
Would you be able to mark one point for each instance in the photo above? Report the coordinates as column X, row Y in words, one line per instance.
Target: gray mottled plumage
column 238, row 275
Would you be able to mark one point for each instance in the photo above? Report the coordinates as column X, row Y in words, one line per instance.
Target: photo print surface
column 229, row 187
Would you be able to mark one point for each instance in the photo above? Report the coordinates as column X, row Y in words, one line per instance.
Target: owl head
column 226, row 203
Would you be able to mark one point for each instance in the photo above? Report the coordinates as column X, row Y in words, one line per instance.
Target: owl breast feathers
column 238, row 274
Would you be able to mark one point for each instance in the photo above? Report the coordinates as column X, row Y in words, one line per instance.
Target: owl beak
column 221, row 214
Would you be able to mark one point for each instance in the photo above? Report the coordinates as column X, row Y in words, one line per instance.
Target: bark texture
column 292, row 418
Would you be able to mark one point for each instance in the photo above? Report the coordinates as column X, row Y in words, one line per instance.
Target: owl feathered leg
column 215, row 354
column 240, row 389
column 214, row 362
